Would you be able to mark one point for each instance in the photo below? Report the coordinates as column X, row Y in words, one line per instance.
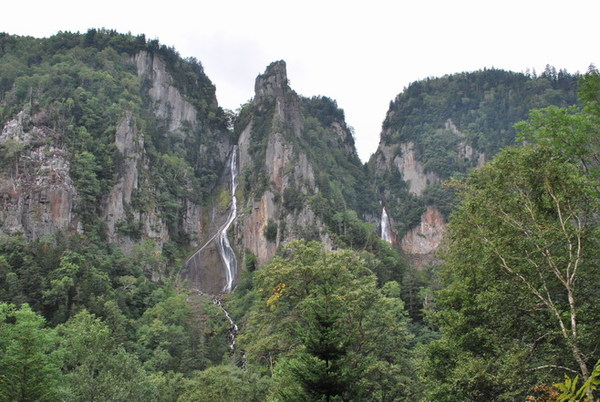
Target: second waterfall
column 227, row 254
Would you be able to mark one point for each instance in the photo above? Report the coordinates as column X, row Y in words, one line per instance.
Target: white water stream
column 233, row 328
column 386, row 230
column 231, row 335
column 223, row 245
column 227, row 254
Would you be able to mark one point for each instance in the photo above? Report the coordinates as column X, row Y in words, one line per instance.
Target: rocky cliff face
column 407, row 163
column 438, row 128
column 168, row 103
column 181, row 119
column 287, row 146
column 422, row 241
column 286, row 167
column 38, row 194
column 402, row 163
column 155, row 147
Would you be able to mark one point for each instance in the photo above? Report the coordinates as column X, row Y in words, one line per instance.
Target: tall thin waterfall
column 227, row 254
column 195, row 262
column 386, row 230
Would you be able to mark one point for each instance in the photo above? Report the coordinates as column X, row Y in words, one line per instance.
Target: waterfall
column 233, row 328
column 227, row 254
column 386, row 230
column 232, row 334
column 220, row 237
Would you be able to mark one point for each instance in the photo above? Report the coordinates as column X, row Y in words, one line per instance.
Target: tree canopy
column 520, row 304
column 324, row 330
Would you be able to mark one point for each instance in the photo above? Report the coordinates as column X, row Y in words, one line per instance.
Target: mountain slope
column 443, row 127
column 300, row 173
column 118, row 138
column 109, row 135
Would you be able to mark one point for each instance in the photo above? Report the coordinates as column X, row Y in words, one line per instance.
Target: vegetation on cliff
column 519, row 307
column 510, row 312
column 454, row 123
column 78, row 87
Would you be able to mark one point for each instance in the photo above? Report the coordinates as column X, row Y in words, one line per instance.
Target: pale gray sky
column 362, row 54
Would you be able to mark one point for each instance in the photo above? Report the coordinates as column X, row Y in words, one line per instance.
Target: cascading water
column 195, row 262
column 232, row 334
column 227, row 254
column 386, row 230
column 233, row 328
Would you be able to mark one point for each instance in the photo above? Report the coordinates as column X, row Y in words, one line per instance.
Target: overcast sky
column 360, row 53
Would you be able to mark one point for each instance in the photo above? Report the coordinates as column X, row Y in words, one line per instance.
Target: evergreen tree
column 325, row 330
column 29, row 370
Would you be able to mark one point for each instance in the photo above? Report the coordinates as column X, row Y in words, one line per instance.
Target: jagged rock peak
column 274, row 82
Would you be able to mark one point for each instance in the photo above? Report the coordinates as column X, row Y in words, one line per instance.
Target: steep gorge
column 440, row 128
column 156, row 166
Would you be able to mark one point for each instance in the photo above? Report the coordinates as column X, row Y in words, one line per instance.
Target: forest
column 509, row 312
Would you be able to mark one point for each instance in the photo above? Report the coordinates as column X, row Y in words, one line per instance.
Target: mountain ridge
column 300, row 176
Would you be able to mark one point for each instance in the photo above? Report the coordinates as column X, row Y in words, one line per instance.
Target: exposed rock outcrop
column 412, row 169
column 286, row 165
column 427, row 237
column 465, row 150
column 421, row 240
column 130, row 144
column 38, row 194
column 40, row 197
column 169, row 104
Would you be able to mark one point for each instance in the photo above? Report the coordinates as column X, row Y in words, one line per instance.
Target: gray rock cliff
column 286, row 165
column 38, row 194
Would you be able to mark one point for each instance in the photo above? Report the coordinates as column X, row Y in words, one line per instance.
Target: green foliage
column 442, row 196
column 29, row 367
column 225, row 383
column 119, row 336
column 293, row 199
column 324, row 329
column 249, row 261
column 572, row 130
column 77, row 88
column 404, row 207
column 521, row 255
column 446, row 118
column 570, row 391
column 84, row 171
column 385, row 262
column 510, row 264
column 343, row 194
column 484, row 103
column 96, row 366
column 271, row 231
column 324, row 109
column 173, row 337
column 329, row 145
column 9, row 159
column 261, row 117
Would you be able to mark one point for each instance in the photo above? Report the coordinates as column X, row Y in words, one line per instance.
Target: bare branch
column 553, row 366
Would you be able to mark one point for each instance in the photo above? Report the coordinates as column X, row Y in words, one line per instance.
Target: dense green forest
column 519, row 304
column 444, row 116
column 512, row 313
